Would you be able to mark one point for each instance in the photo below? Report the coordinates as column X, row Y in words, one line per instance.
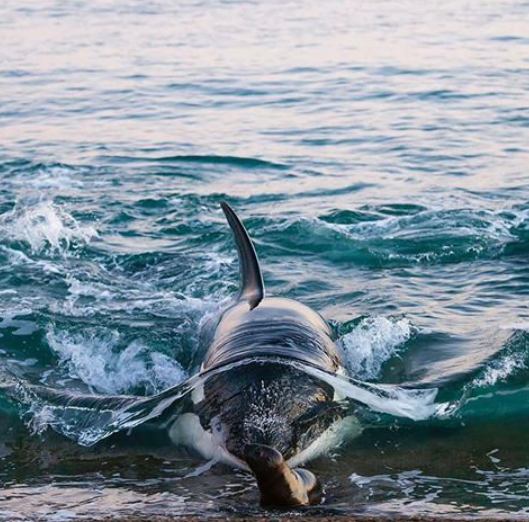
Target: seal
column 265, row 415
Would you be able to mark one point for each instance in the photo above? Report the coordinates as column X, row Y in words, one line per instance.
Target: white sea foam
column 340, row 431
column 52, row 177
column 94, row 357
column 46, row 226
column 403, row 480
column 482, row 231
column 500, row 370
column 495, row 223
column 121, row 295
column 372, row 343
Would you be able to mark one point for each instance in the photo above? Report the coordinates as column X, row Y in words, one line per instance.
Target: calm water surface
column 379, row 153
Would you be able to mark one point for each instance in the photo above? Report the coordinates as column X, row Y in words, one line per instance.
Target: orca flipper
column 58, row 398
column 90, row 418
column 252, row 286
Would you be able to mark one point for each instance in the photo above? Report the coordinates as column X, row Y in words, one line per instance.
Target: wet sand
column 301, row 518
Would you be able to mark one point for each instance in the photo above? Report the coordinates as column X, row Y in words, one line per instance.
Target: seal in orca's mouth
column 279, row 485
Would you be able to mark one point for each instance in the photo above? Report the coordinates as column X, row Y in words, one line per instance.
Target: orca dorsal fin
column 252, row 286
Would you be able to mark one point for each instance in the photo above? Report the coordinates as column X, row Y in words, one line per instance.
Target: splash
column 372, row 343
column 95, row 357
column 46, row 227
column 500, row 370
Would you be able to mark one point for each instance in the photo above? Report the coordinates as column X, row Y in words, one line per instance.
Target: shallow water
column 378, row 153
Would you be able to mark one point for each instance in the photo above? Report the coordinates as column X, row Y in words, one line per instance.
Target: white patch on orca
column 341, row 430
column 203, row 468
column 187, row 431
column 197, row 395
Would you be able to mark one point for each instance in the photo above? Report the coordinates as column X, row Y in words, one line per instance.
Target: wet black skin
column 268, row 412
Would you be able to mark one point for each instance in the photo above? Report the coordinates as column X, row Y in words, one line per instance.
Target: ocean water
column 378, row 153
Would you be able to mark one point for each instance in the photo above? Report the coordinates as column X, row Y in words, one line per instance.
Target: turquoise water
column 378, row 153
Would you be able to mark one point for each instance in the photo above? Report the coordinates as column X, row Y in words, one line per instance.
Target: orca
column 271, row 392
column 265, row 415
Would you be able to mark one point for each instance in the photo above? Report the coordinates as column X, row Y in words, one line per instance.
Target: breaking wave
column 407, row 235
column 96, row 357
column 46, row 228
column 372, row 342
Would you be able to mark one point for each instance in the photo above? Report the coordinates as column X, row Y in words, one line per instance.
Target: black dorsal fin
column 252, row 286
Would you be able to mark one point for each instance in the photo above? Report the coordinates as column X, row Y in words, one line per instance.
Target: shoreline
column 313, row 518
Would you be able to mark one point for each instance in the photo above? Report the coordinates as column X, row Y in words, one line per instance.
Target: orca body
column 253, row 403
column 265, row 415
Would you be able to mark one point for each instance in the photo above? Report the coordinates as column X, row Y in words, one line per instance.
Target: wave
column 416, row 236
column 500, row 370
column 104, row 361
column 511, row 360
column 371, row 343
column 95, row 357
column 498, row 389
column 211, row 159
column 46, row 228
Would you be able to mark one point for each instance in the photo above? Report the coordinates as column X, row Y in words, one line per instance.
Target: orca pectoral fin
column 252, row 286
column 23, row 392
column 88, row 418
column 66, row 399
column 163, row 407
